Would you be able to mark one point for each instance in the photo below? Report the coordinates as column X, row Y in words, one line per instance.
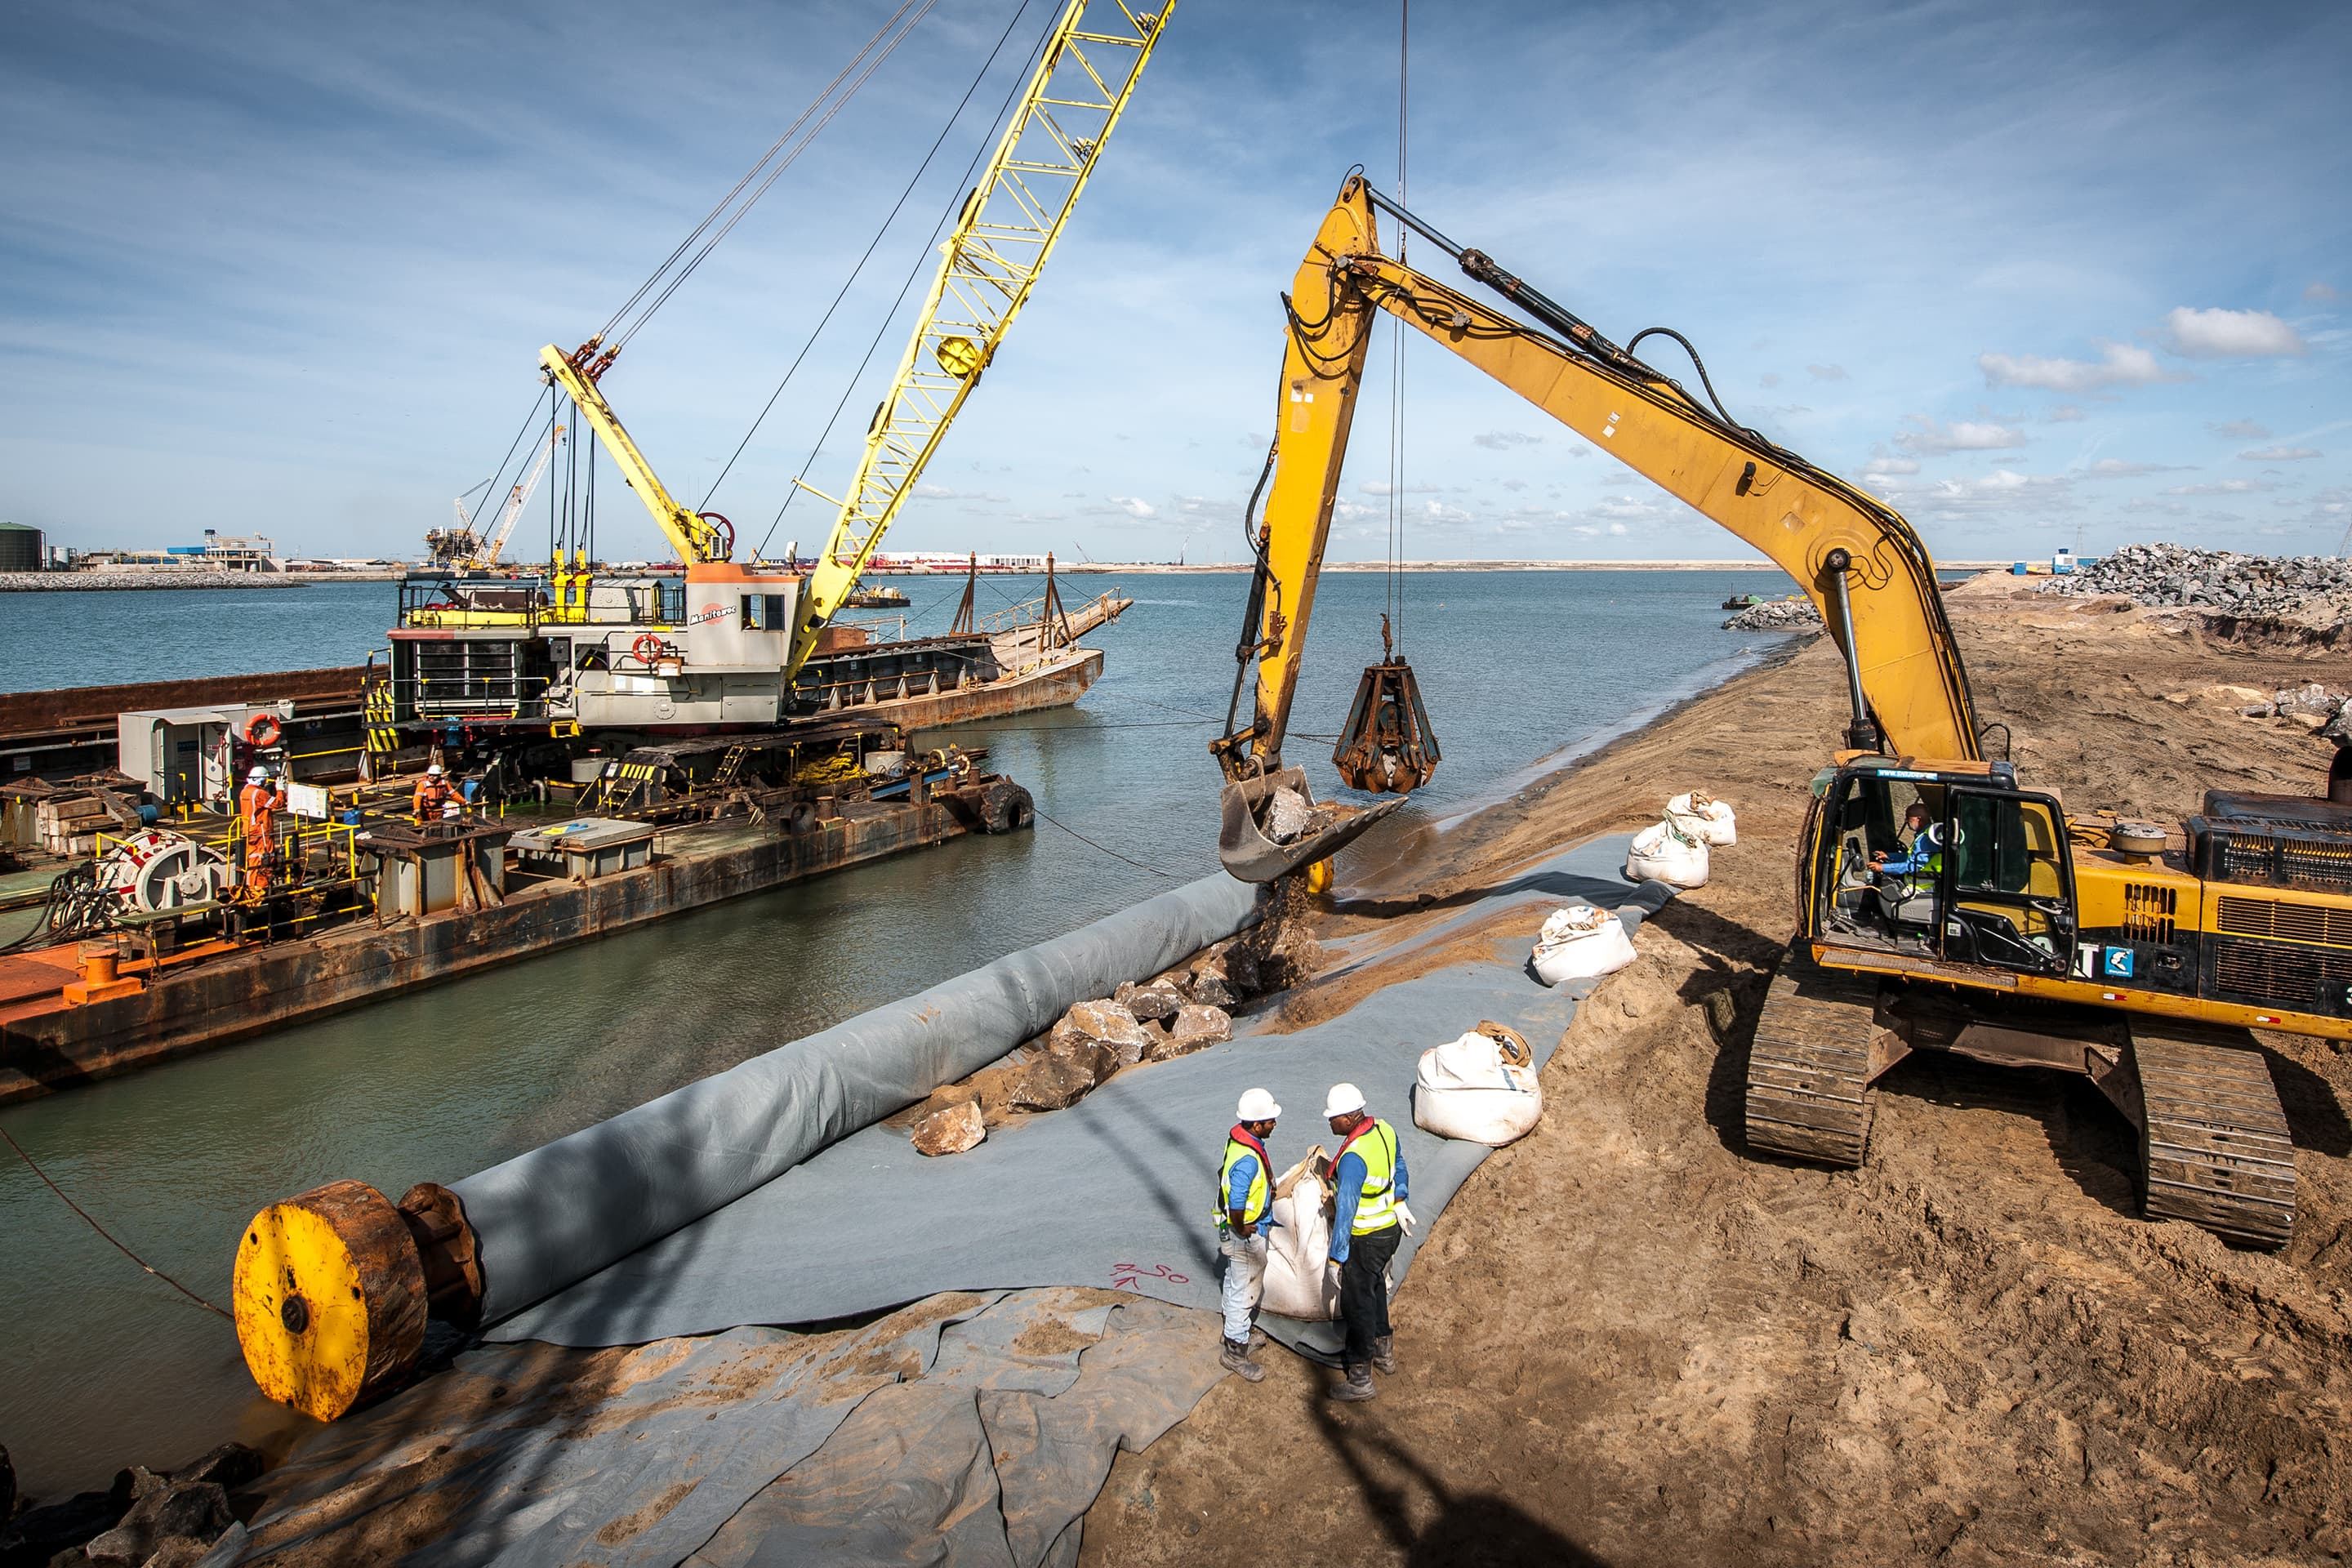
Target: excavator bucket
column 1387, row 746
column 1262, row 836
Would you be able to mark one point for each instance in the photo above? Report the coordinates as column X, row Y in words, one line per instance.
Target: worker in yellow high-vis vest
column 1245, row 1220
column 1369, row 1219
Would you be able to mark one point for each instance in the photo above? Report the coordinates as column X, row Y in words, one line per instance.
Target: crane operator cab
column 1962, row 866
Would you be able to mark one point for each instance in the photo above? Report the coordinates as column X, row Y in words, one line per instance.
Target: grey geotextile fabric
column 566, row 1209
column 1114, row 1191
column 972, row 1430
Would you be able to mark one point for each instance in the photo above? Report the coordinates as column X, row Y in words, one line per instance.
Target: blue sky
column 2035, row 274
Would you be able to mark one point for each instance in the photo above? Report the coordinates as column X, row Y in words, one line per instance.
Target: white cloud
column 2280, row 454
column 1885, row 467
column 2241, row 430
column 1438, row 511
column 1962, row 435
column 2321, row 293
column 1826, row 372
column 1503, row 440
column 1136, row 508
column 942, row 492
column 2002, row 491
column 2119, row 364
column 2064, row 414
column 2221, row 488
column 1768, row 381
column 2228, row 334
column 2116, row 469
column 1620, row 530
column 1383, row 487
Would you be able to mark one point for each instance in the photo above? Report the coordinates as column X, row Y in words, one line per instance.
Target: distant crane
column 461, row 546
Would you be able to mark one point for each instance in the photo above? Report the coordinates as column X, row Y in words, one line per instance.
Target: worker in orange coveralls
column 435, row 797
column 258, row 806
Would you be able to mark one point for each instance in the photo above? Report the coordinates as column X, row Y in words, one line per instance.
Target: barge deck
column 60, row 1027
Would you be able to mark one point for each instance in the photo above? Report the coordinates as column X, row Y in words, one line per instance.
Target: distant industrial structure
column 22, row 548
column 218, row 553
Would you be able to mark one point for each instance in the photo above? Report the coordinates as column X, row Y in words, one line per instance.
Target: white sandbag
column 1480, row 1087
column 1298, row 1282
column 1664, row 853
column 1705, row 818
column 1580, row 943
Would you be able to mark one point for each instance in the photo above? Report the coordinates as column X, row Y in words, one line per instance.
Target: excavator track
column 2214, row 1144
column 1809, row 1069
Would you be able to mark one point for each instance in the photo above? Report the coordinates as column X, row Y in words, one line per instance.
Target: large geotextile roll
column 560, row 1213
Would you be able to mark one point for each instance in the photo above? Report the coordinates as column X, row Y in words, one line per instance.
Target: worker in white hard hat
column 258, row 806
column 1244, row 1218
column 435, row 798
column 1369, row 1219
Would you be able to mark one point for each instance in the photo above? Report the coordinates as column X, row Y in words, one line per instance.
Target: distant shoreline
column 119, row 582
column 1104, row 566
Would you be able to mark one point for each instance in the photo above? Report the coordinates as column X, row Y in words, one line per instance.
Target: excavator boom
column 1861, row 564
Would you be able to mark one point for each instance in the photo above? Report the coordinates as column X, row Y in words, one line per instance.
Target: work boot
column 1357, row 1387
column 1384, row 1355
column 1235, row 1359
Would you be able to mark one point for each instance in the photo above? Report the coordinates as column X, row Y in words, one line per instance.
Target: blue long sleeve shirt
column 1925, row 846
column 1237, row 1190
column 1348, row 1190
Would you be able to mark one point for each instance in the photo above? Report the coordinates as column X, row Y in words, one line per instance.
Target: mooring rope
column 34, row 1167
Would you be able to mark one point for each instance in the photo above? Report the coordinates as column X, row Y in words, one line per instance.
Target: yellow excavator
column 2138, row 956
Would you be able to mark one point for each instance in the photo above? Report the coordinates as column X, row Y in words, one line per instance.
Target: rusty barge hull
column 47, row 1043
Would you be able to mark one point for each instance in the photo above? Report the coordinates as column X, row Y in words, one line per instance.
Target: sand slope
column 1628, row 1343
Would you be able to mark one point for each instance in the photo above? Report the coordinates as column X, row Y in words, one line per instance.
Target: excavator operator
column 1905, row 883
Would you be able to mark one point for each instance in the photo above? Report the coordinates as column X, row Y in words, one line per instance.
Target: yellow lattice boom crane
column 1009, row 226
column 728, row 644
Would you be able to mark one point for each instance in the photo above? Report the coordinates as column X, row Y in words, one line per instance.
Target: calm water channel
column 101, row 1366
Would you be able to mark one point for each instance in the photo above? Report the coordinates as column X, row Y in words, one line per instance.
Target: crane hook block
column 1387, row 747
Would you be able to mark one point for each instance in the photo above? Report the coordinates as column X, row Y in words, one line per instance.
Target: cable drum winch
column 159, row 869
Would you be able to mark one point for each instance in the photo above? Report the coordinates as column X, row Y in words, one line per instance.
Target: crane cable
column 865, row 63
column 1396, row 358
column 922, row 258
column 855, row 272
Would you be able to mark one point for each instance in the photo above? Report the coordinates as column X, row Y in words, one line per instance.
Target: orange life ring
column 647, row 648
column 263, row 730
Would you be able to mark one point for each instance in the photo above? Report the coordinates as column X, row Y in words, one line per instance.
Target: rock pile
column 2312, row 706
column 1170, row 1015
column 170, row 1519
column 1776, row 616
column 2306, row 587
column 64, row 582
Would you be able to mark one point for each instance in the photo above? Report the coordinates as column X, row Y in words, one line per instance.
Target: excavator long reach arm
column 1861, row 564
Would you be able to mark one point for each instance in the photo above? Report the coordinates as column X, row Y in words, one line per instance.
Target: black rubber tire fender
column 1006, row 807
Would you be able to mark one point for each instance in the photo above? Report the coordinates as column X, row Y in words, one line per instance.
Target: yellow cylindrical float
column 331, row 1299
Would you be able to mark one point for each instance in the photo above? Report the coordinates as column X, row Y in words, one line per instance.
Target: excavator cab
column 1962, row 867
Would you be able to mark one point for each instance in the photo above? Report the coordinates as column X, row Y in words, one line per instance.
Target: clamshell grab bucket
column 1386, row 747
column 1252, row 855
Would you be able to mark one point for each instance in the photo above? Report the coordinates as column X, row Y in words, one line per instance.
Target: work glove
column 1404, row 1219
column 1331, row 1272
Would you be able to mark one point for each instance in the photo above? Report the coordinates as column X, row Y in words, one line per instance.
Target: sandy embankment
column 1628, row 1343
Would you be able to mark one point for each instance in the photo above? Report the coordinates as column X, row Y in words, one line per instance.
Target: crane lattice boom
column 1007, row 230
